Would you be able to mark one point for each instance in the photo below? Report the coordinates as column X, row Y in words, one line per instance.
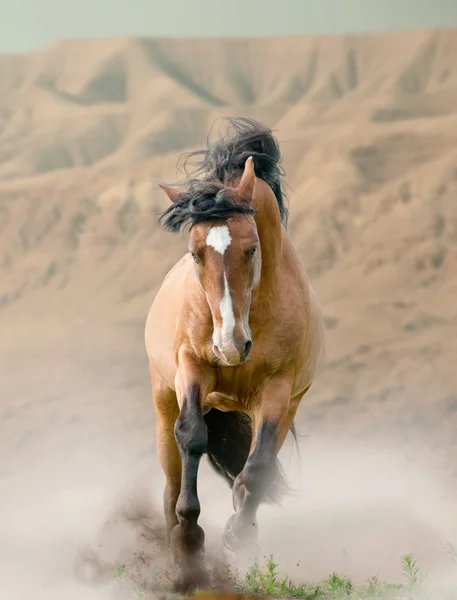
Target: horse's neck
column 270, row 231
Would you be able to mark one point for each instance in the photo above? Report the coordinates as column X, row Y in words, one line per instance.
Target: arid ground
column 368, row 131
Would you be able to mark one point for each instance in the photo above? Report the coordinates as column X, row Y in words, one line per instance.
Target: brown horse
column 234, row 338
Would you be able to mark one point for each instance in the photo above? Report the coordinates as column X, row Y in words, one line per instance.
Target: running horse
column 234, row 337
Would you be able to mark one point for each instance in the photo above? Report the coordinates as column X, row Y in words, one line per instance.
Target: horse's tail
column 229, row 440
column 226, row 157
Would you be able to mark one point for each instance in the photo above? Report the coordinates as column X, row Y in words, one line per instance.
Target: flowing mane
column 206, row 195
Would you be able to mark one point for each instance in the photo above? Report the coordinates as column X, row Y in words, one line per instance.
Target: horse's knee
column 191, row 434
column 191, row 431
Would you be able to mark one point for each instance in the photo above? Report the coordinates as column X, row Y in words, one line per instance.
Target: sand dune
column 368, row 130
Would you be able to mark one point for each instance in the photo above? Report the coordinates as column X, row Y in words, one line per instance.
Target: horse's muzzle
column 235, row 353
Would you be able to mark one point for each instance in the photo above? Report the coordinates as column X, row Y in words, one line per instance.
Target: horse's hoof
column 191, row 580
column 236, row 539
column 230, row 539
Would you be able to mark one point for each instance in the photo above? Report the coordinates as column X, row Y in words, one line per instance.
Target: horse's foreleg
column 167, row 412
column 191, row 433
column 274, row 412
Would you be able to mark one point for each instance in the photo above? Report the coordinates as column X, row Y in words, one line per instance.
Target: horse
column 234, row 337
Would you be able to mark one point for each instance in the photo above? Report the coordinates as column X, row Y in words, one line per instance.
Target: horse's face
column 227, row 259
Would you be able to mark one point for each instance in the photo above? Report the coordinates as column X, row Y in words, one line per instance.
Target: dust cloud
column 81, row 486
column 67, row 525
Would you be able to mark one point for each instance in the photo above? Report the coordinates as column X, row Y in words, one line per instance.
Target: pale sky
column 28, row 24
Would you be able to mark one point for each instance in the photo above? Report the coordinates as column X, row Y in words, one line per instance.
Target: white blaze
column 228, row 318
column 219, row 238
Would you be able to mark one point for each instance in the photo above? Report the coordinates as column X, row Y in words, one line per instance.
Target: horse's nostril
column 247, row 348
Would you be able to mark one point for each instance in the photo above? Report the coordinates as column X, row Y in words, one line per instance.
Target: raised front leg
column 274, row 412
column 187, row 537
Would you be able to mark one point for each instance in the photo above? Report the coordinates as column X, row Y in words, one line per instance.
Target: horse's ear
column 247, row 182
column 170, row 192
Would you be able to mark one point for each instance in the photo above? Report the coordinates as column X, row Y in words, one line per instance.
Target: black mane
column 206, row 196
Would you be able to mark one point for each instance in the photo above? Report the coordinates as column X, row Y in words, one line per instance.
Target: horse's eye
column 196, row 258
column 252, row 252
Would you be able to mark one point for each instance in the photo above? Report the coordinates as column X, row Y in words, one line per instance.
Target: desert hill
column 368, row 130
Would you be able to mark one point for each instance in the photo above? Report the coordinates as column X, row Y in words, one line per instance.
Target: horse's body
column 286, row 327
column 232, row 340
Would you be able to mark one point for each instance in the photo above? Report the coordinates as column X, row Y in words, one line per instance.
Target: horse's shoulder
column 179, row 265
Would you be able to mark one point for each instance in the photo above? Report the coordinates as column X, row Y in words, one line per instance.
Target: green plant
column 374, row 586
column 412, row 571
column 266, row 580
column 120, row 573
column 338, row 586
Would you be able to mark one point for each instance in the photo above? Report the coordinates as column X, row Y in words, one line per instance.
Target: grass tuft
column 120, row 573
column 338, row 587
column 412, row 572
column 266, row 580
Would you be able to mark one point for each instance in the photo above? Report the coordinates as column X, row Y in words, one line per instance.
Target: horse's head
column 227, row 257
column 227, row 262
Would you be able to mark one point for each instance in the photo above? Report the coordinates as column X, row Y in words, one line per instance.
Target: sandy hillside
column 368, row 130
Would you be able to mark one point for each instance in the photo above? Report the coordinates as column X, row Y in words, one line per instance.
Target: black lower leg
column 192, row 438
column 259, row 470
column 251, row 486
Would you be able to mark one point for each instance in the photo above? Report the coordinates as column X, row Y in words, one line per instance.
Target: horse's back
column 305, row 319
column 315, row 337
column 162, row 320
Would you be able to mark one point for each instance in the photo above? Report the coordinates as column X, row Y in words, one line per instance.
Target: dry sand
column 368, row 126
